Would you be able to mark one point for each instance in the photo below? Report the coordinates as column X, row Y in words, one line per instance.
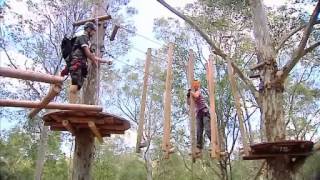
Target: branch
column 300, row 52
column 27, row 82
column 289, row 35
column 216, row 50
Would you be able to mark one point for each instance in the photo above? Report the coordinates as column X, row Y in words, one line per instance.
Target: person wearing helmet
column 202, row 114
column 79, row 55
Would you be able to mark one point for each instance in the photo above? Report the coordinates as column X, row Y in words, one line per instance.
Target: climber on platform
column 78, row 60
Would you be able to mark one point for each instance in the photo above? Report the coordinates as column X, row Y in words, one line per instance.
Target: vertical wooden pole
column 215, row 152
column 192, row 105
column 143, row 100
column 238, row 108
column 167, row 105
column 84, row 139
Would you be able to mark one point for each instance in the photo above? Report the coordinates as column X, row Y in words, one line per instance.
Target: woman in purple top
column 202, row 114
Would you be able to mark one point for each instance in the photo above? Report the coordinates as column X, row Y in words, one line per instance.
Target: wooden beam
column 53, row 92
column 258, row 66
column 100, row 18
column 166, row 146
column 103, row 132
column 68, row 126
column 215, row 152
column 36, row 104
column 114, row 32
column 143, row 100
column 238, row 108
column 192, row 105
column 30, row 75
column 95, row 131
column 254, row 76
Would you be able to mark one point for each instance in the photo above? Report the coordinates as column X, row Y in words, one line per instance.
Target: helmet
column 196, row 83
column 90, row 25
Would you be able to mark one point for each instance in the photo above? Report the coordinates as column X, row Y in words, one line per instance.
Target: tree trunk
column 43, row 145
column 271, row 91
column 84, row 139
column 83, row 155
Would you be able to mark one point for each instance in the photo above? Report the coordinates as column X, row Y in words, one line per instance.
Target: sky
column 148, row 10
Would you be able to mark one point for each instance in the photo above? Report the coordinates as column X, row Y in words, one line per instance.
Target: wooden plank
column 114, row 32
column 166, row 146
column 95, row 131
column 30, row 75
column 192, row 105
column 143, row 100
column 215, row 152
column 53, row 92
column 102, row 132
column 68, row 126
column 257, row 66
column 238, row 108
column 100, row 18
column 85, row 125
column 112, row 132
column 52, row 105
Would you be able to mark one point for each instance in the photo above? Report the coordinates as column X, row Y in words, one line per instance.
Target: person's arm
column 188, row 100
column 84, row 44
column 195, row 94
column 89, row 55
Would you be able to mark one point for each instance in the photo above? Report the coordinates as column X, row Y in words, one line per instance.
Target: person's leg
column 73, row 94
column 199, row 130
column 76, row 82
column 207, row 125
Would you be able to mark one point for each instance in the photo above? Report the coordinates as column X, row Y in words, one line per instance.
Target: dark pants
column 203, row 122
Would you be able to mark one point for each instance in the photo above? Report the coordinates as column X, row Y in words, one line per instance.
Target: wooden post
column 95, row 131
column 84, row 139
column 238, row 108
column 192, row 105
column 166, row 145
column 68, row 126
column 30, row 75
column 143, row 100
column 36, row 104
column 100, row 18
column 215, row 149
column 53, row 92
column 114, row 32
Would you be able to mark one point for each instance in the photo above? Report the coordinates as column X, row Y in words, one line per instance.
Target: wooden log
column 258, row 66
column 254, row 76
column 238, row 108
column 114, row 32
column 95, row 131
column 215, row 153
column 68, row 126
column 166, row 146
column 36, row 104
column 100, row 18
column 81, row 126
column 30, row 75
column 53, row 92
column 192, row 105
column 102, row 132
column 143, row 100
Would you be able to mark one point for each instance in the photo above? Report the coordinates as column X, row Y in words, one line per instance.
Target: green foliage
column 311, row 167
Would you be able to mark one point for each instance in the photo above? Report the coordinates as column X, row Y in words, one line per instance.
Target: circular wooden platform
column 103, row 124
column 281, row 148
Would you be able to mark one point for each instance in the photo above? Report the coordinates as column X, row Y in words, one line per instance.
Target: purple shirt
column 200, row 103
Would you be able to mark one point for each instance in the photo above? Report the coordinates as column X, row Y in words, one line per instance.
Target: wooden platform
column 101, row 124
column 292, row 149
